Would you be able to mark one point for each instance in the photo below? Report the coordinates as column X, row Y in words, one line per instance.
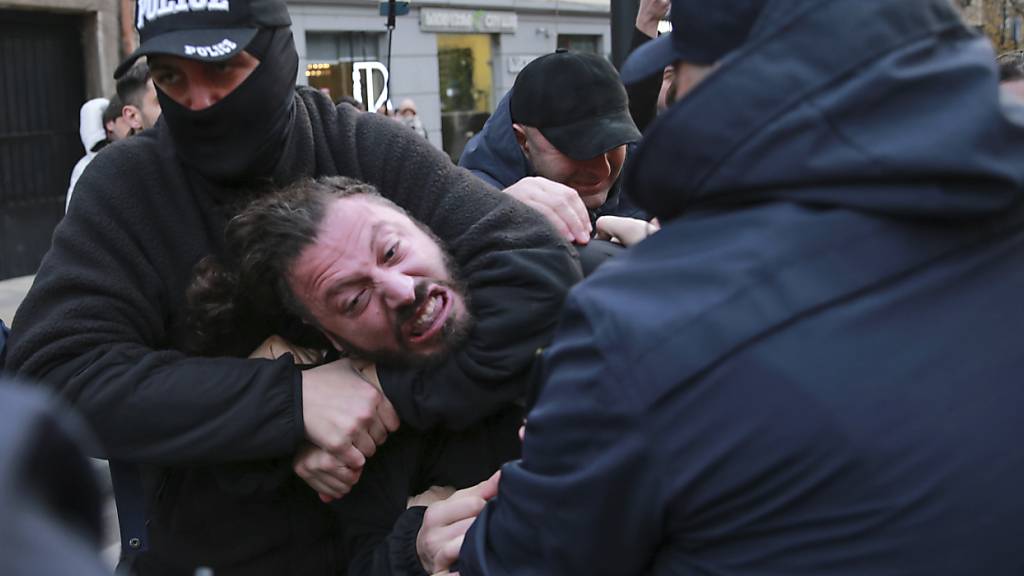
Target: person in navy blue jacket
column 558, row 142
column 815, row 366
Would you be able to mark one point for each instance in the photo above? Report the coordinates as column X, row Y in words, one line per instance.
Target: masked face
column 229, row 120
column 198, row 85
column 379, row 286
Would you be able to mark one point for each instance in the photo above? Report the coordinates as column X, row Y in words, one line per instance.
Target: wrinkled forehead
column 341, row 245
column 367, row 210
column 352, row 225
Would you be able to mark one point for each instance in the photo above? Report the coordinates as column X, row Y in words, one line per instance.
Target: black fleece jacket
column 98, row 323
column 378, row 531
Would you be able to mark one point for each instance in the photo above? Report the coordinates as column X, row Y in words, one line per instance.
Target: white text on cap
column 150, row 10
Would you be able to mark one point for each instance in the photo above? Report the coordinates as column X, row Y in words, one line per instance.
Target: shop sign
column 517, row 63
column 488, row 21
column 363, row 88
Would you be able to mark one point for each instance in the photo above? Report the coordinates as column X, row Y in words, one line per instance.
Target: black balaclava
column 241, row 137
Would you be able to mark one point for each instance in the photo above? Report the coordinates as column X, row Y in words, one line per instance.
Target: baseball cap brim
column 650, row 58
column 591, row 137
column 204, row 44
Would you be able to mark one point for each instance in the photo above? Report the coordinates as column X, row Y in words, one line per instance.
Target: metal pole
column 623, row 22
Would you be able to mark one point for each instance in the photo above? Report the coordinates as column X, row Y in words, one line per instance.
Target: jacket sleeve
column 643, row 95
column 378, row 531
column 391, row 551
column 95, row 326
column 517, row 269
column 587, row 495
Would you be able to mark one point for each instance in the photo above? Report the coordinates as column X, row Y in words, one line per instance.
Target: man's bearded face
column 380, row 286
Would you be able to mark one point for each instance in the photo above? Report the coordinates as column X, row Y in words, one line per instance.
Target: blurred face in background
column 117, row 129
column 146, row 113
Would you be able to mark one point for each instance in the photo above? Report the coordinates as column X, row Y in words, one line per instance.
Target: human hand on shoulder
column 344, row 414
column 445, row 524
column 625, row 231
column 650, row 13
column 560, row 204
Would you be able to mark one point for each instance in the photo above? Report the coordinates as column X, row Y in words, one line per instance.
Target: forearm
column 517, row 306
column 99, row 326
column 163, row 408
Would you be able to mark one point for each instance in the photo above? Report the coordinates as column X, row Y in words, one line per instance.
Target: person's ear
column 133, row 116
column 520, row 132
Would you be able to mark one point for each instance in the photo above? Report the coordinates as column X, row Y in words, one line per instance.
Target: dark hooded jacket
column 99, row 325
column 815, row 366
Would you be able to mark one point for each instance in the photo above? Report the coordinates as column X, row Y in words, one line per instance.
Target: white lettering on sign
column 367, row 96
column 445, row 20
column 222, row 48
column 517, row 63
column 149, row 10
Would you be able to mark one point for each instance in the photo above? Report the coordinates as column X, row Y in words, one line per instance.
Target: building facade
column 54, row 55
column 1002, row 21
column 455, row 59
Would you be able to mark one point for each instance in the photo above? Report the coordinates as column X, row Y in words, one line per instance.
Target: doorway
column 42, row 72
column 466, row 86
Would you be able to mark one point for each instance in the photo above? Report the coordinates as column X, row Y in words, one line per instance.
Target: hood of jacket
column 493, row 154
column 886, row 106
column 90, row 123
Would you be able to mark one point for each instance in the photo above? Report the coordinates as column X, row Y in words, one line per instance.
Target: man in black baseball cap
column 576, row 101
column 212, row 439
column 558, row 141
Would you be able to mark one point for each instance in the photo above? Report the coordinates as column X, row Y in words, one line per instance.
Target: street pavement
column 12, row 292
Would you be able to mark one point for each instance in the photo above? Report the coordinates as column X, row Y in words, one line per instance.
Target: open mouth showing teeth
column 429, row 318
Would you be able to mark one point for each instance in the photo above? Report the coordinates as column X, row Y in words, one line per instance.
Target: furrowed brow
column 340, row 287
column 378, row 233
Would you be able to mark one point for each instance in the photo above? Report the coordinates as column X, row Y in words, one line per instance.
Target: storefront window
column 331, row 58
column 466, row 80
column 580, row 43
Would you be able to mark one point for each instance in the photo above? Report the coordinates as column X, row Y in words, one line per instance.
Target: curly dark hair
column 234, row 303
